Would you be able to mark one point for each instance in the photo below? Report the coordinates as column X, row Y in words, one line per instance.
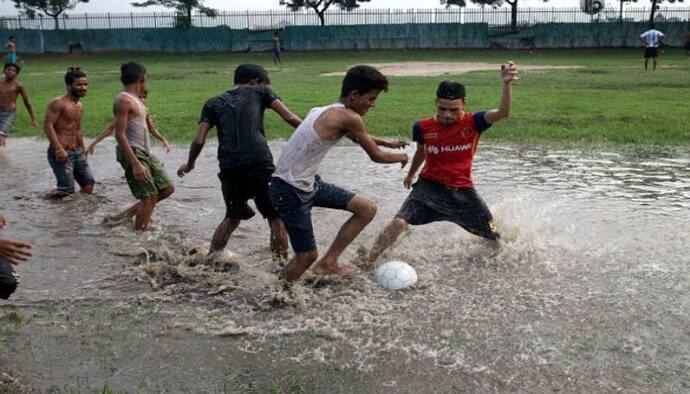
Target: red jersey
column 450, row 149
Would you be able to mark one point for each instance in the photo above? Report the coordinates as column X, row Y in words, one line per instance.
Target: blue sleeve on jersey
column 417, row 133
column 480, row 122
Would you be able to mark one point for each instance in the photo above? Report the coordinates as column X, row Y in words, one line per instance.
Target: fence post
column 110, row 26
column 131, row 20
column 86, row 20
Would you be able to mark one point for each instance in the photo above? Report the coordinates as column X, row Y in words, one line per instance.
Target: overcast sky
column 6, row 6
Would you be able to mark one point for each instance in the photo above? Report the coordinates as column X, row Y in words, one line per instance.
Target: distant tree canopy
column 492, row 3
column 51, row 8
column 184, row 9
column 320, row 6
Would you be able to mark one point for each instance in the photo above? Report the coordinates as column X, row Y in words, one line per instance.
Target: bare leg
column 2, row 142
column 87, row 190
column 222, row 234
column 299, row 264
column 131, row 211
column 144, row 213
column 654, row 64
column 364, row 211
column 279, row 239
column 387, row 238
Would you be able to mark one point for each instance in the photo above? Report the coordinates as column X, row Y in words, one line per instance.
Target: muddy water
column 590, row 292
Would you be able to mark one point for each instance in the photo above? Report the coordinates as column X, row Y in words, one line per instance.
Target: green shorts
column 158, row 180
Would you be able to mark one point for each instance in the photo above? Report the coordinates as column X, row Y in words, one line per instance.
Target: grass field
column 610, row 99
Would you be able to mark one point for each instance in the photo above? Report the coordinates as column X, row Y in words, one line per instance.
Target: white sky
column 6, row 7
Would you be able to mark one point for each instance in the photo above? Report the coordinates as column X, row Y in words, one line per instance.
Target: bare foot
column 335, row 269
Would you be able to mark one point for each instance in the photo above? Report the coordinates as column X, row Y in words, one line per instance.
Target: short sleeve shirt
column 450, row 149
column 238, row 115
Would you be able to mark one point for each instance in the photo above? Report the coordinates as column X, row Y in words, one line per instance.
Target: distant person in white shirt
column 651, row 38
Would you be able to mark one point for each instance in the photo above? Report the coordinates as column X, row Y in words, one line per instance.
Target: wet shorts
column 157, row 181
column 241, row 184
column 9, row 280
column 294, row 207
column 6, row 120
column 651, row 52
column 431, row 201
column 76, row 168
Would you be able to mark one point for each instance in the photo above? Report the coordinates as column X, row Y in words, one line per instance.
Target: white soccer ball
column 396, row 275
column 592, row 7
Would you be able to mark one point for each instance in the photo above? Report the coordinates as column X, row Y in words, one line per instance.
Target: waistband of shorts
column 69, row 147
column 7, row 111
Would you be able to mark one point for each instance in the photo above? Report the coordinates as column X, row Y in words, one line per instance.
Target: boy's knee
column 167, row 192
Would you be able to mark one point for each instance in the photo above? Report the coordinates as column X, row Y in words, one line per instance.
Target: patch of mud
column 428, row 69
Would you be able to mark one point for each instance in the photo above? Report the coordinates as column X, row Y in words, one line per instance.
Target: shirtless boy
column 9, row 89
column 62, row 126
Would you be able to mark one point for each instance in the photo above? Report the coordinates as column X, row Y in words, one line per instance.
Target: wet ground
column 590, row 292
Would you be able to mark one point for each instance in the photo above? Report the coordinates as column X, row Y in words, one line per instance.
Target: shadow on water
column 589, row 291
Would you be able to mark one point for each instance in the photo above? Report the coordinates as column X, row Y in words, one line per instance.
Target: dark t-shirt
column 238, row 115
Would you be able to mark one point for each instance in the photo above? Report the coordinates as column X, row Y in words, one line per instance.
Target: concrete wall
column 307, row 38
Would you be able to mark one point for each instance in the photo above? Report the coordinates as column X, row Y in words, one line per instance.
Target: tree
column 492, row 3
column 320, row 6
column 184, row 9
column 52, row 8
column 620, row 10
column 655, row 7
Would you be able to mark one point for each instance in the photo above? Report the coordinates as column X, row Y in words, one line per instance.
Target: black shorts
column 431, row 201
column 241, row 184
column 651, row 52
column 8, row 279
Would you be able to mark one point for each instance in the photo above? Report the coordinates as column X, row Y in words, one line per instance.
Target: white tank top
column 304, row 151
column 137, row 129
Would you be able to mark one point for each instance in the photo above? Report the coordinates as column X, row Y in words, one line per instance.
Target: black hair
column 15, row 65
column 11, row 37
column 131, row 72
column 72, row 74
column 450, row 90
column 245, row 73
column 363, row 79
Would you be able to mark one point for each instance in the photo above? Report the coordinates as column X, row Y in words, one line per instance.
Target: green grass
column 609, row 100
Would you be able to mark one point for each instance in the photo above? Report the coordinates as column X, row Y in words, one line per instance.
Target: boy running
column 9, row 89
column 447, row 143
column 149, row 122
column 62, row 126
column 144, row 173
column 246, row 162
column 296, row 187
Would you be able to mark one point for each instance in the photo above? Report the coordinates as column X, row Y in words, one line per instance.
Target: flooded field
column 590, row 292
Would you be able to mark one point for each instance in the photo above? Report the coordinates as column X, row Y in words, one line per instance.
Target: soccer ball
column 592, row 7
column 396, row 275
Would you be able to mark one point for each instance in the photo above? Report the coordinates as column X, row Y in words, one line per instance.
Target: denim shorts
column 76, row 168
column 294, row 207
column 431, row 201
column 6, row 120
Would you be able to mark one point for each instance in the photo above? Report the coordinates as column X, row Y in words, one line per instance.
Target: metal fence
column 265, row 20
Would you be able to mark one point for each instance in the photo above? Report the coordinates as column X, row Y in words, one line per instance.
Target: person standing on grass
column 11, row 253
column 446, row 143
column 296, row 187
column 111, row 127
column 651, row 38
column 246, row 162
column 276, row 48
column 62, row 126
column 9, row 89
column 11, row 46
column 144, row 173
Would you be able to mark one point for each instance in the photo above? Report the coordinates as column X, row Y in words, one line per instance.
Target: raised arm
column 288, row 116
column 508, row 75
column 27, row 104
column 358, row 133
column 52, row 114
column 394, row 144
column 121, row 109
column 195, row 149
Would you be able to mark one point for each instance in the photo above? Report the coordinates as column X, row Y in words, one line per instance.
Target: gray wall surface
column 309, row 38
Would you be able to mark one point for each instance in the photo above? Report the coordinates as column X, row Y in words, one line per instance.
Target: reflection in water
column 589, row 292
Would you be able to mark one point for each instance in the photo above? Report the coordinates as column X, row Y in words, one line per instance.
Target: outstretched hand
column 184, row 170
column 509, row 72
column 14, row 251
column 396, row 144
